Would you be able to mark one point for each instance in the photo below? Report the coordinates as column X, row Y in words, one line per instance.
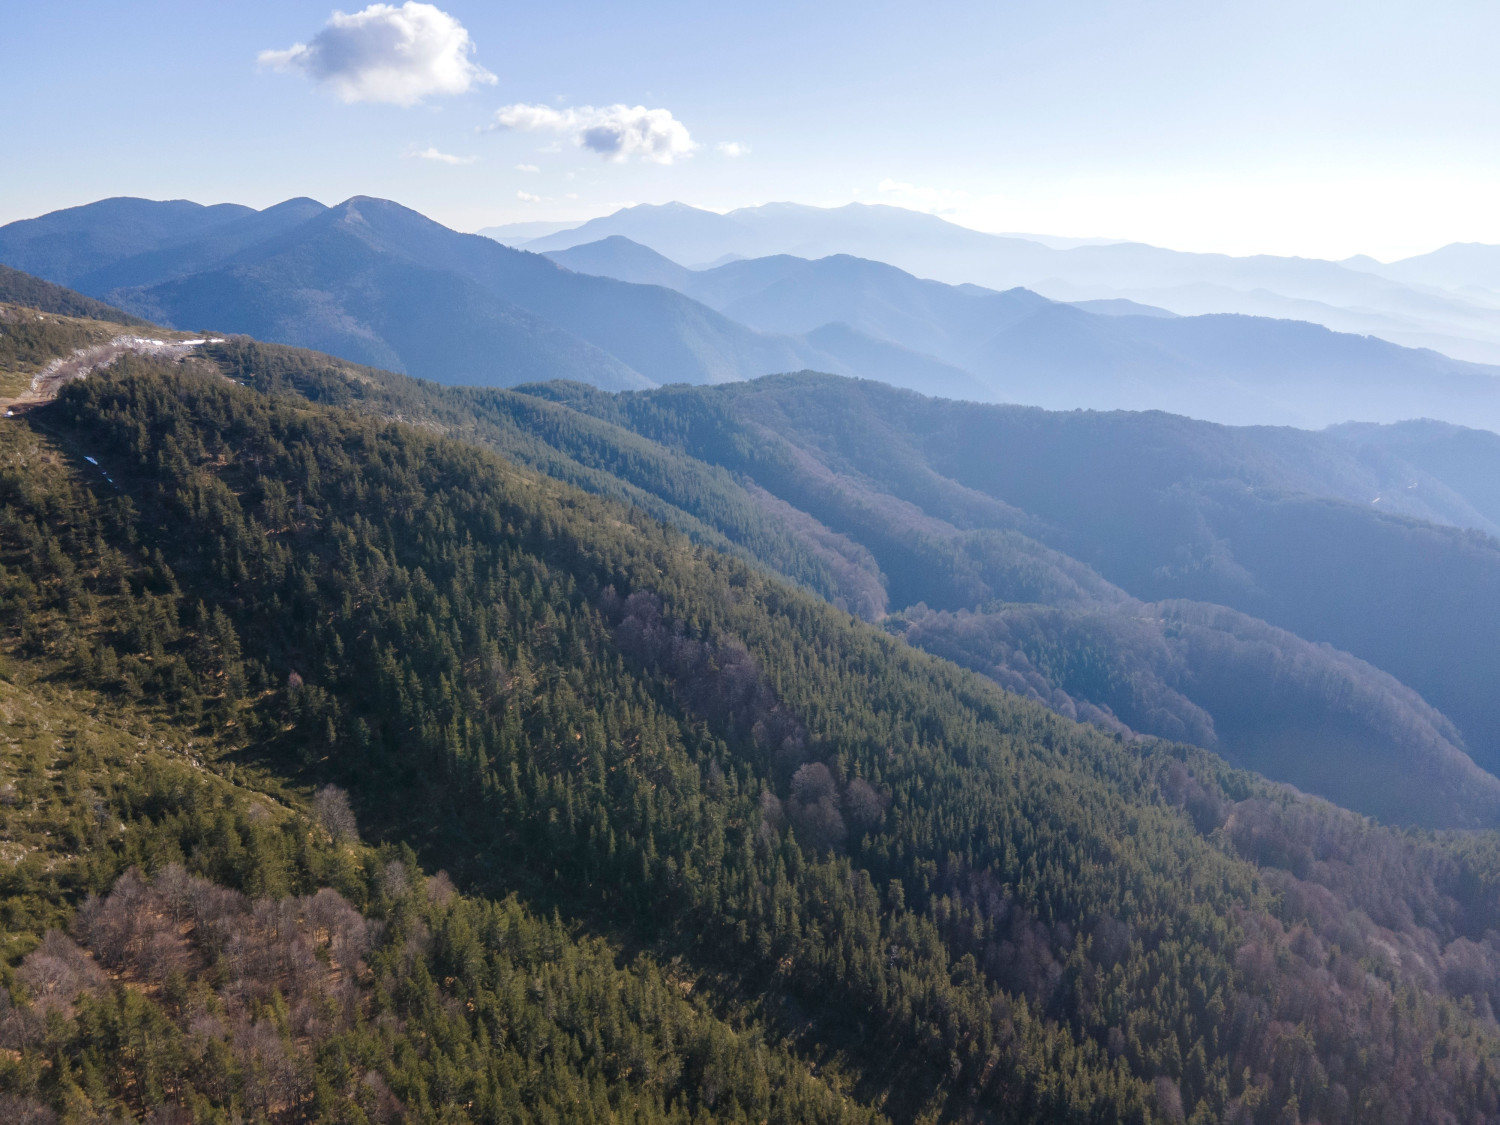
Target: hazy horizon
column 1060, row 238
column 1239, row 130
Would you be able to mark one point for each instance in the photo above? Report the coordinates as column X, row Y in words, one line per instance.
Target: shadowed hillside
column 881, row 856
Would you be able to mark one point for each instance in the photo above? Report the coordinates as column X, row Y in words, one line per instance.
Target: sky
column 1322, row 129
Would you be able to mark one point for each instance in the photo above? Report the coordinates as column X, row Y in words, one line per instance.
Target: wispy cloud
column 527, row 168
column 527, row 197
column 441, row 157
column 616, row 132
column 733, row 148
column 387, row 54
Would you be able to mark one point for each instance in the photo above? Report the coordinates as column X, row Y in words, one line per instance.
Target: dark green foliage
column 294, row 1008
column 182, row 995
column 705, row 501
column 826, row 482
column 970, row 906
column 1260, row 696
column 19, row 288
column 963, row 505
column 29, row 340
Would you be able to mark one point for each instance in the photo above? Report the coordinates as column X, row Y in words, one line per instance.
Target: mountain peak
column 672, row 207
column 623, row 259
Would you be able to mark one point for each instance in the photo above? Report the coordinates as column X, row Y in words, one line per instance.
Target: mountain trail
column 50, row 380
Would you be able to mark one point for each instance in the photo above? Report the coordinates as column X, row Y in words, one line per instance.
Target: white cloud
column 527, row 168
column 387, row 54
column 732, row 148
column 527, row 197
column 615, row 132
column 441, row 157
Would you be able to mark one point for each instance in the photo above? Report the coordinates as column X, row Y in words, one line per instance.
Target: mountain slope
column 382, row 285
column 1436, row 456
column 374, row 261
column 965, row 907
column 869, row 546
column 947, row 498
column 1265, row 699
column 239, row 950
column 875, row 528
column 785, row 293
column 17, row 288
column 371, row 280
column 874, row 357
column 1156, row 517
column 192, row 251
column 329, row 290
column 693, row 236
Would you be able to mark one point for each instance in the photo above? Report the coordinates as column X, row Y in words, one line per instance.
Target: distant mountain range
column 380, row 284
column 1469, row 268
column 377, row 283
column 1447, row 300
column 1028, row 349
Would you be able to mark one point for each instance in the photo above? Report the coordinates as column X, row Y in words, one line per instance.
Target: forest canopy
column 714, row 847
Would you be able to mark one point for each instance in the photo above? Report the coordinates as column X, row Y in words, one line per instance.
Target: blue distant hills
column 378, row 283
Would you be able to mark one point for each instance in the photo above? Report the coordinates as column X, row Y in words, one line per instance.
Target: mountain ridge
column 1025, row 348
column 1342, row 298
column 384, row 285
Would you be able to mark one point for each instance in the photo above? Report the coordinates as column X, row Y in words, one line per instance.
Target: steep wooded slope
column 1160, row 506
column 870, row 545
column 19, row 288
column 958, row 901
column 188, row 938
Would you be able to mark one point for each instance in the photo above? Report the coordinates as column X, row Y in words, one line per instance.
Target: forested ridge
column 845, row 854
column 985, row 523
column 274, row 968
column 22, row 289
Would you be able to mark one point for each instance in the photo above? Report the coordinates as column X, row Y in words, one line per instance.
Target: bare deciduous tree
column 331, row 805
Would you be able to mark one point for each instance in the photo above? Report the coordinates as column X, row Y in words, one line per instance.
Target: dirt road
column 50, row 380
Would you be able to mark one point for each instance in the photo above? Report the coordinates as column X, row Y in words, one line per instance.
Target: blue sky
column 1317, row 128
